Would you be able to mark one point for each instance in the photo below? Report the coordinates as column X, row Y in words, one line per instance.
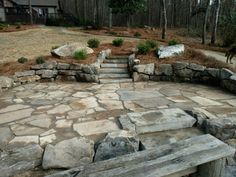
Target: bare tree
column 215, row 22
column 204, row 30
column 164, row 19
column 30, row 12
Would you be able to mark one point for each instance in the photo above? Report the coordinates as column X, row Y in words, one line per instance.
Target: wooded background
column 180, row 13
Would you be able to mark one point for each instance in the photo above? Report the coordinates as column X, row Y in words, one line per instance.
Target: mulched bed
column 15, row 28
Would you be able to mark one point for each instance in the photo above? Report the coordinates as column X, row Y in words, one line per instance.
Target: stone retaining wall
column 51, row 71
column 183, row 72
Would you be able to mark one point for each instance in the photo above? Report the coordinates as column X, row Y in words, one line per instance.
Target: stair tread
column 104, row 81
column 115, row 75
column 112, row 65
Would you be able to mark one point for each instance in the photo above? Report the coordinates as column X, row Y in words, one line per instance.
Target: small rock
column 68, row 154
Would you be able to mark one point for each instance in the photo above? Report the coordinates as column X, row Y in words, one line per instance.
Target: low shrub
column 143, row 48
column 137, row 34
column 118, row 42
column 172, row 42
column 80, row 54
column 151, row 43
column 22, row 60
column 93, row 43
column 18, row 26
column 40, row 60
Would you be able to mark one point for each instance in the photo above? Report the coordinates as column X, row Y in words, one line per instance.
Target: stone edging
column 51, row 71
column 177, row 72
column 183, row 72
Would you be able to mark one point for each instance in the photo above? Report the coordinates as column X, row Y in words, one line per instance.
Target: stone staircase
column 115, row 70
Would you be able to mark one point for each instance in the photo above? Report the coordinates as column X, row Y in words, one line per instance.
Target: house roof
column 37, row 2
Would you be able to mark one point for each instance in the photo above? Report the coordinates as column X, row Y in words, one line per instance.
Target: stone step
column 118, row 57
column 116, row 61
column 108, row 81
column 109, row 65
column 114, row 70
column 157, row 121
column 110, row 76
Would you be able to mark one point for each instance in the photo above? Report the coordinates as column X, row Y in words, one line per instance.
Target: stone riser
column 113, row 71
column 110, row 76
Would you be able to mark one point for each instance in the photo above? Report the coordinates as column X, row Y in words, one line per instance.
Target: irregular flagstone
column 68, row 154
column 49, row 132
column 170, row 91
column 178, row 99
column 95, row 127
column 60, row 109
column 108, row 96
column 18, row 101
column 82, row 94
column 25, row 139
column 64, row 123
column 42, row 121
column 165, row 119
column 85, row 103
column 26, row 130
column 56, row 94
column 42, row 102
column 13, row 108
column 21, row 159
column 111, row 104
column 79, row 114
column 231, row 102
column 5, row 136
column 215, row 94
column 15, row 115
column 152, row 102
column 47, row 139
column 205, row 101
column 127, row 95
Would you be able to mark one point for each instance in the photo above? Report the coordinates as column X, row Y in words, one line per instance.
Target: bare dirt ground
column 35, row 42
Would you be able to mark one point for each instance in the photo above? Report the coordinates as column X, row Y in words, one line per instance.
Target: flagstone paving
column 45, row 113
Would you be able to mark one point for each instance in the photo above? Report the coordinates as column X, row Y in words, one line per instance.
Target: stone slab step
column 110, row 76
column 109, row 65
column 118, row 57
column 116, row 61
column 114, row 70
column 108, row 81
column 157, row 121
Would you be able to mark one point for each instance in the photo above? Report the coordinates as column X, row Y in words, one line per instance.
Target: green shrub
column 80, row 54
column 137, row 34
column 1, row 28
column 118, row 42
column 22, row 60
column 172, row 42
column 55, row 47
column 18, row 26
column 40, row 60
column 151, row 43
column 143, row 48
column 93, row 43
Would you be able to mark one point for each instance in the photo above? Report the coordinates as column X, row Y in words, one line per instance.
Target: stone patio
column 48, row 113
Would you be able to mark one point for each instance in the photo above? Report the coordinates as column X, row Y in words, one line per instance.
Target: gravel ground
column 35, row 42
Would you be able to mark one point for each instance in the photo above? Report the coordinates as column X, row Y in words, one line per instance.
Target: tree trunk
column 204, row 31
column 164, row 19
column 215, row 23
column 189, row 14
column 110, row 18
column 30, row 12
column 128, row 21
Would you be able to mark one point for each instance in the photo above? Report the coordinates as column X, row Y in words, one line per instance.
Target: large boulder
column 17, row 160
column 69, row 153
column 116, row 144
column 69, row 49
column 170, row 51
